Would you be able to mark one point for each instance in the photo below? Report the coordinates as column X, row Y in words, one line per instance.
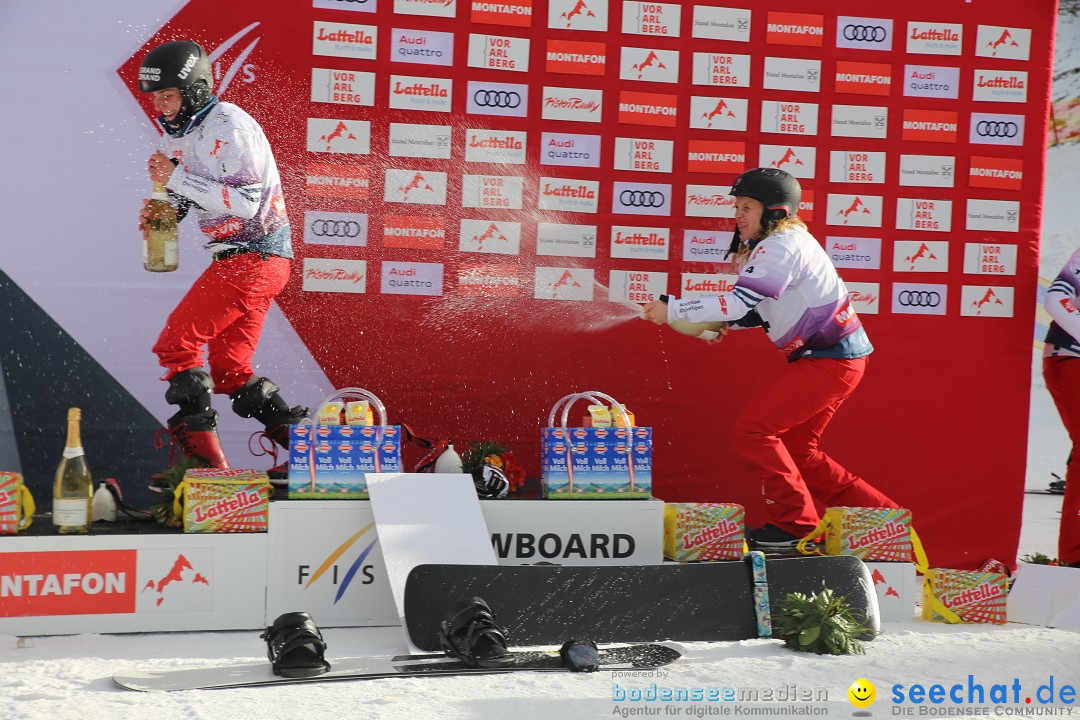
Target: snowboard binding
column 295, row 646
column 470, row 634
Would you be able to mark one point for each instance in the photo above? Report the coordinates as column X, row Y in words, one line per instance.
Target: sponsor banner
column 337, row 181
column 792, row 74
column 995, row 215
column 415, row 232
column 789, row 118
column 495, row 146
column 176, row 581
column 721, row 23
column 334, row 275
column 928, row 170
column 331, row 135
column 924, row 38
column 716, row 156
column 697, row 285
column 490, row 236
column 853, row 210
column 929, row 125
column 638, row 286
column 997, row 173
column 563, row 283
column 862, row 78
column 1000, row 86
column 856, row 166
column 720, row 69
column 854, row 252
column 83, row 582
column 1005, row 43
column 649, row 64
column 566, row 240
column 344, row 40
column 639, row 108
column 865, row 121
column 412, row 140
column 919, row 299
column 651, row 18
column 989, row 259
column 921, row 256
column 432, row 94
column 488, row 280
column 569, row 149
column 575, row 57
column 569, row 195
column 411, row 278
column 918, row 214
column 335, row 228
column 342, row 87
column 573, row 104
column 996, row 129
column 799, row 160
column 806, row 205
column 422, row 187
column 861, row 33
column 865, row 297
column 986, row 301
column 718, row 113
column 498, row 52
column 426, row 47
column 932, row 81
column 641, row 198
column 706, row 245
column 784, row 28
column 591, row 15
column 351, row 5
column 709, row 201
column 515, row 13
column 641, row 243
column 490, row 98
column 431, row 8
column 491, row 191
column 643, row 154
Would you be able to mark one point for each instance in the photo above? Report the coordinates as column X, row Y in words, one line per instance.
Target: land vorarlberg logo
column 329, row 565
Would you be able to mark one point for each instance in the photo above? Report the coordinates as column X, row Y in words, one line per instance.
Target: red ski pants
column 777, row 435
column 224, row 311
column 1062, row 375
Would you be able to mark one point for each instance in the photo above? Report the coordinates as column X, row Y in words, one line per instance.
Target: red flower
column 514, row 472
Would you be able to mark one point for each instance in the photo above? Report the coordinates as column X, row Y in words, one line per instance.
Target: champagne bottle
column 161, row 244
column 73, row 487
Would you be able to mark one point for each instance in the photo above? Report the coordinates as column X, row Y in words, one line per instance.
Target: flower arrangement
column 487, row 452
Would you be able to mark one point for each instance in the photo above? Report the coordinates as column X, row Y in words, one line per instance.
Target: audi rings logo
column 497, row 98
column 642, row 198
column 336, row 228
column 865, row 33
column 996, row 128
column 919, row 298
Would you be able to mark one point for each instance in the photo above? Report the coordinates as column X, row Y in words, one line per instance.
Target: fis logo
column 330, row 569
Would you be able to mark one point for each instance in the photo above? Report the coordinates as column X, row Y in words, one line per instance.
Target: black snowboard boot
column 261, row 399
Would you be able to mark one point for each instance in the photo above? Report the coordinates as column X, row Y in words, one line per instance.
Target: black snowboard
column 546, row 604
column 628, row 657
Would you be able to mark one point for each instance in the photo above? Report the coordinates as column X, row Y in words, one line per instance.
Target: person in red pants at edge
column 1061, row 370
column 788, row 286
column 218, row 161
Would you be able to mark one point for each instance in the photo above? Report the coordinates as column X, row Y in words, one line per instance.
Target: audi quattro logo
column 920, row 298
column 639, row 198
column 865, row 33
column 497, row 98
column 336, row 228
column 996, row 128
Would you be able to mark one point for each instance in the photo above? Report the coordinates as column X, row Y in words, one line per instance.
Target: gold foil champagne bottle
column 161, row 243
column 73, row 487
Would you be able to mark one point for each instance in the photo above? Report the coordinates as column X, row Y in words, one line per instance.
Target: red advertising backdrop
column 480, row 190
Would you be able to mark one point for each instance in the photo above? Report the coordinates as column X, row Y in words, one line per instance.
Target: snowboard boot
column 193, row 427
column 197, row 435
column 261, row 399
column 771, row 539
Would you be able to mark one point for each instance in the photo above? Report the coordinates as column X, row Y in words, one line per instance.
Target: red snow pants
column 1062, row 375
column 777, row 435
column 224, row 311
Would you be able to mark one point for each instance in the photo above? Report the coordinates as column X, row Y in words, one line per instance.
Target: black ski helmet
column 776, row 189
column 184, row 65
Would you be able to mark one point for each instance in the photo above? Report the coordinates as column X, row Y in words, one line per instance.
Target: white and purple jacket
column 790, row 288
column 228, row 172
column 1064, row 335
